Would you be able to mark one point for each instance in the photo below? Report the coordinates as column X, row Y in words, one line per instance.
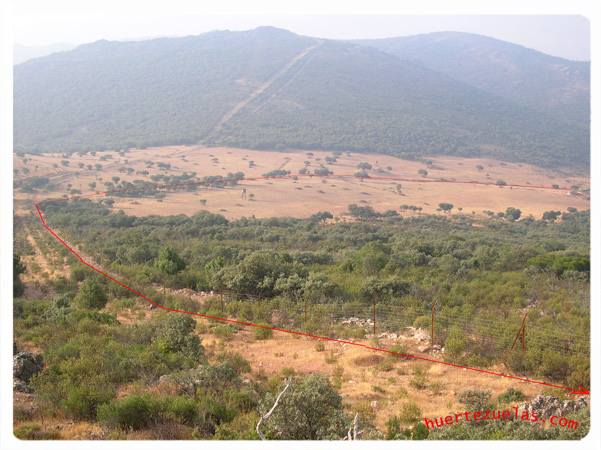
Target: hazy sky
column 565, row 36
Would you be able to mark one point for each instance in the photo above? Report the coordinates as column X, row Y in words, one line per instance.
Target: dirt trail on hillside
column 262, row 88
column 38, row 258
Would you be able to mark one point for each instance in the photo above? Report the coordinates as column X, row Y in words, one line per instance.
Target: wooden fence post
column 521, row 334
column 433, row 324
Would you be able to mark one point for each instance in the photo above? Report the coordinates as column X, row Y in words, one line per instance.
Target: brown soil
column 305, row 196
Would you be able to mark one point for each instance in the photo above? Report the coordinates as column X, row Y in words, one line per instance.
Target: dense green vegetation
column 471, row 269
column 155, row 376
column 341, row 96
column 545, row 83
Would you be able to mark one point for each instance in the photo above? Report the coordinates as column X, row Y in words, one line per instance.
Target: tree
column 169, row 261
column 364, row 166
column 423, row 172
column 513, row 214
column 321, row 216
column 175, row 335
column 310, row 409
column 362, row 212
column 551, row 216
column 90, row 295
column 317, row 287
column 18, row 269
column 446, row 207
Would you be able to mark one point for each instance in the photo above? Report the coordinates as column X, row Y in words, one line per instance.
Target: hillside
column 271, row 89
column 522, row 75
column 22, row 53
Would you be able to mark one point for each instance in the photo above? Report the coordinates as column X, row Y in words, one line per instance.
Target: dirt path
column 39, row 258
column 262, row 88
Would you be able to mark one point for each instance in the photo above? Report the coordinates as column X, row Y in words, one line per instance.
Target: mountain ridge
column 340, row 96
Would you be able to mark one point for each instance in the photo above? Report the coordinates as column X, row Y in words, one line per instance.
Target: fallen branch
column 266, row 416
column 353, row 430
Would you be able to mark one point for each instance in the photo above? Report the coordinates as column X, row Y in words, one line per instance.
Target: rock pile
column 547, row 406
column 365, row 323
column 25, row 366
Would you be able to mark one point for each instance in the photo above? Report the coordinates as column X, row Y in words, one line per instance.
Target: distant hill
column 270, row 88
column 22, row 53
column 530, row 78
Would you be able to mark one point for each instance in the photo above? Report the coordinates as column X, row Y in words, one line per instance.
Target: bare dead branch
column 268, row 414
column 353, row 431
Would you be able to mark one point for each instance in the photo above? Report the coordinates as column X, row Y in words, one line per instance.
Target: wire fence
column 492, row 337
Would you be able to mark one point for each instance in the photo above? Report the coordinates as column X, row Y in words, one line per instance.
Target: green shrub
column 455, row 343
column 132, row 412
column 181, row 409
column 555, row 365
column 419, row 380
column 386, row 365
column 261, row 333
column 511, row 395
column 90, row 295
column 410, row 413
column 236, row 361
column 33, row 432
column 175, row 335
column 476, row 400
column 224, row 331
column 81, row 402
column 241, row 428
column 320, row 346
column 422, row 322
column 397, row 348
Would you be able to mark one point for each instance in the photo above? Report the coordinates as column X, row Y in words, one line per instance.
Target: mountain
column 270, row 88
column 527, row 77
column 22, row 53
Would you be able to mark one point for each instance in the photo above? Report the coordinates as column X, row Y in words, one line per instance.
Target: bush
column 33, row 432
column 422, row 322
column 419, row 381
column 241, row 428
column 554, row 365
column 410, row 413
column 261, row 333
column 511, row 395
column 476, row 400
column 310, row 409
column 455, row 343
column 175, row 335
column 133, row 412
column 81, row 402
column 90, row 295
column 236, row 361
column 181, row 409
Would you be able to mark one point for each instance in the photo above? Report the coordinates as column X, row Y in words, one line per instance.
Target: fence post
column 433, row 323
column 521, row 334
column 374, row 314
column 524, row 336
column 305, row 312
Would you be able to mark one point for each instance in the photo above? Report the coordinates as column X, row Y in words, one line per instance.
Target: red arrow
column 581, row 391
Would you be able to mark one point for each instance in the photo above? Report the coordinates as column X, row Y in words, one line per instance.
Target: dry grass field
column 449, row 179
column 368, row 379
